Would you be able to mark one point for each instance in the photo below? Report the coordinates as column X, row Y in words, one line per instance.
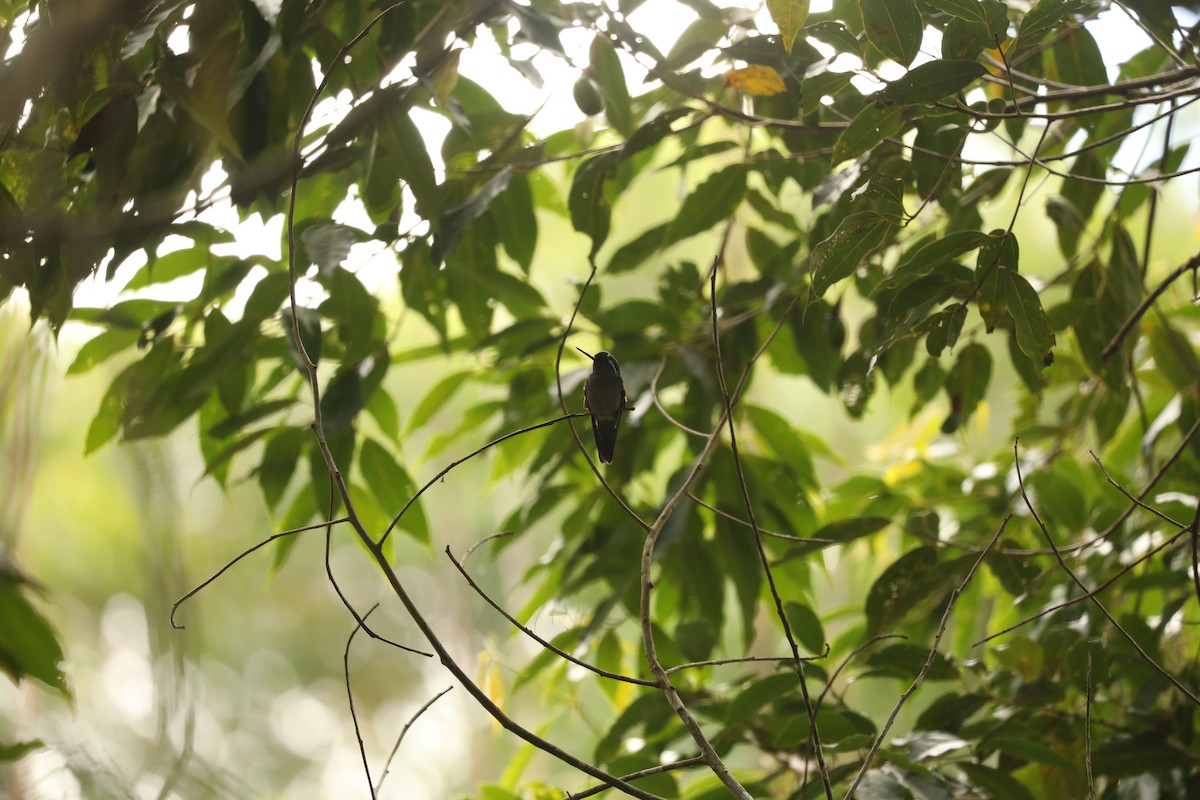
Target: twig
column 242, row 555
column 933, row 651
column 395, row 748
column 656, row 667
column 1087, row 728
column 742, row 660
column 1125, row 570
column 532, row 635
column 1192, row 263
column 483, row 541
column 1136, row 501
column 789, row 537
column 846, row 661
column 547, row 423
column 814, row 734
column 1091, row 596
column 662, row 364
column 362, row 748
column 1196, row 552
column 694, row 761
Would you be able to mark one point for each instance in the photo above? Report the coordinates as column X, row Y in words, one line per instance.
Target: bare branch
column 240, row 556
column 396, row 519
column 1091, row 595
column 937, row 639
column 362, row 749
column 396, row 748
column 694, row 761
column 1191, row 265
column 532, row 635
column 814, row 733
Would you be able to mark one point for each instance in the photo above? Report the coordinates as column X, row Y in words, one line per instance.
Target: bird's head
column 605, row 364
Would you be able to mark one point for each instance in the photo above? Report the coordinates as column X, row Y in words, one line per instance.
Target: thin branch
column 545, row 424
column 1125, row 570
column 1190, row 265
column 240, row 556
column 483, row 541
column 1195, row 539
column 396, row 748
column 1087, row 728
column 853, row 654
column 814, row 734
column 933, row 651
column 532, row 635
column 694, row 761
column 656, row 668
column 742, row 660
column 1095, row 600
column 787, row 536
column 1136, row 501
column 662, row 364
column 362, row 748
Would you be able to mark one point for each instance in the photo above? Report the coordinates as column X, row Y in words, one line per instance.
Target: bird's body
column 604, row 398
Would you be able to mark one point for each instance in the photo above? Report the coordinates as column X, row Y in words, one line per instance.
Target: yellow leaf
column 756, row 79
column 789, row 15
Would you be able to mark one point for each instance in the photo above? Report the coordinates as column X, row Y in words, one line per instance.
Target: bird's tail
column 605, row 432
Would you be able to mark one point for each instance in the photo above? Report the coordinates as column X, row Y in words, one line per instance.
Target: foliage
column 882, row 234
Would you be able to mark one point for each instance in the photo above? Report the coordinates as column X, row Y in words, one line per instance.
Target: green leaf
column 713, row 201
column 392, row 487
column 838, row 256
column 1029, row 750
column 967, row 384
column 1034, row 332
column 102, row 347
column 233, row 424
column 876, row 122
column 280, row 457
column 806, row 626
column 1044, row 17
column 930, row 82
column 997, row 783
column 910, row 588
column 700, row 36
column 436, row 398
column 15, row 751
column 925, row 258
column 894, row 27
column 790, row 16
column 413, row 163
column 591, row 213
column 28, row 645
column 610, row 79
column 454, row 222
column 1125, row 756
column 963, row 9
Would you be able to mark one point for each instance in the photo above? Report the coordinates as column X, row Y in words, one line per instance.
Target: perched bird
column 604, row 398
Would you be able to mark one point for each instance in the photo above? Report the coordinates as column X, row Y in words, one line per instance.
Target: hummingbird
column 604, row 398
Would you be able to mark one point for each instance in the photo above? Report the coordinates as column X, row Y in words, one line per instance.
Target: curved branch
column 1091, row 595
column 1191, row 265
column 396, row 519
column 917, row 681
column 530, row 633
column 814, row 733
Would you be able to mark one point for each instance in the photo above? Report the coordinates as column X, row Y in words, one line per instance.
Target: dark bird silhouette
column 604, row 398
